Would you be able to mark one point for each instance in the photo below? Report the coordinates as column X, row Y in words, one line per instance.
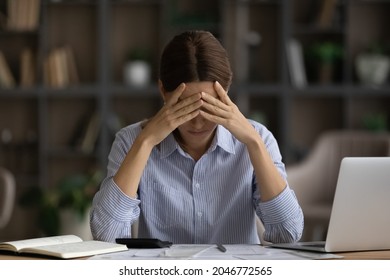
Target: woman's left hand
column 224, row 112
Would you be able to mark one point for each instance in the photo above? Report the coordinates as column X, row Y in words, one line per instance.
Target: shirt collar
column 223, row 138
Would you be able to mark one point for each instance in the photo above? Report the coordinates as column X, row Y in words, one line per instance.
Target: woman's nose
column 198, row 122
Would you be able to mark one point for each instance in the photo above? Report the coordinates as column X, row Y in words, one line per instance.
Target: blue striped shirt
column 212, row 200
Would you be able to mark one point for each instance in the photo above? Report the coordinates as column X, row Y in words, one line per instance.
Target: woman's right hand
column 174, row 113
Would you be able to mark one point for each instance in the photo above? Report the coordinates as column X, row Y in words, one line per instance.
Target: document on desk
column 211, row 252
column 234, row 251
column 183, row 251
column 192, row 251
column 258, row 252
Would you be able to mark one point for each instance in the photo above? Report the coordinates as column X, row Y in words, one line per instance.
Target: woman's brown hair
column 194, row 56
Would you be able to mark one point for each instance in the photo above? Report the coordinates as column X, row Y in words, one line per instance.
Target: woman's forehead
column 195, row 87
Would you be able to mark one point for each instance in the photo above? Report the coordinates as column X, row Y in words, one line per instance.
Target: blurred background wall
column 73, row 72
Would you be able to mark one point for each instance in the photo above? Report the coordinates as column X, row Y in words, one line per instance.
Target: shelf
column 369, row 90
column 17, row 33
column 69, row 153
column 255, row 33
column 258, row 88
column 314, row 29
column 132, row 91
column 20, row 92
column 88, row 26
column 76, row 3
column 83, row 91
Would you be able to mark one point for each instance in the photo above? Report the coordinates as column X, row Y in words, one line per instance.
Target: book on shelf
column 326, row 13
column 7, row 80
column 60, row 68
column 73, row 75
column 27, row 68
column 296, row 63
column 86, row 133
column 91, row 134
column 62, row 246
column 3, row 21
column 23, row 15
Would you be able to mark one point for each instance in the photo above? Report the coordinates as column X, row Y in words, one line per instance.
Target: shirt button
column 200, row 214
column 197, row 185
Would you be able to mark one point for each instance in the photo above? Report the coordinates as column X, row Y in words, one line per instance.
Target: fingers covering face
column 208, row 97
column 220, row 105
column 222, row 94
column 176, row 94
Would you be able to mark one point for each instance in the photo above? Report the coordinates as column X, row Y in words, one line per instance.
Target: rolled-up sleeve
column 282, row 218
column 113, row 212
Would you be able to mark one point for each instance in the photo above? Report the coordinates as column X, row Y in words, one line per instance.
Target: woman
column 198, row 171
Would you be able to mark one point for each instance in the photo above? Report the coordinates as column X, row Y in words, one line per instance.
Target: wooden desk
column 366, row 255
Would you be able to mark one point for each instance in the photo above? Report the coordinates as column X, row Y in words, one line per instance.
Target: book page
column 78, row 249
column 35, row 242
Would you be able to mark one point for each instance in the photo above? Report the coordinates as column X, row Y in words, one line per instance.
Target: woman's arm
column 172, row 114
column 276, row 199
column 226, row 113
column 115, row 206
column 267, row 175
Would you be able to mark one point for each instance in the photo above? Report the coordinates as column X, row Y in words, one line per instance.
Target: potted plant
column 73, row 195
column 375, row 121
column 137, row 69
column 373, row 65
column 323, row 60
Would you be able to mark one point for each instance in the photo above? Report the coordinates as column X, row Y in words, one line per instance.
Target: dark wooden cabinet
column 42, row 127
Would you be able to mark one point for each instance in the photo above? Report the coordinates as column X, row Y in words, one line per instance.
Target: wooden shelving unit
column 39, row 123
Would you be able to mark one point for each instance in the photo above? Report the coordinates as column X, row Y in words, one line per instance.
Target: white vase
column 137, row 73
column 72, row 223
column 372, row 69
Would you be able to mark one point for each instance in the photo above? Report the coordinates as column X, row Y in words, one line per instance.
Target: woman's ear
column 162, row 90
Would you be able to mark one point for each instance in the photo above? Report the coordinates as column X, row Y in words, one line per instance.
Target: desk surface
column 366, row 255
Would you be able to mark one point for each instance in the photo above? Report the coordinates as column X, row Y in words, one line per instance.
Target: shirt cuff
column 118, row 204
column 280, row 208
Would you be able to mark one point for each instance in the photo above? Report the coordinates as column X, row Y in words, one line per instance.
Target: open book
column 63, row 246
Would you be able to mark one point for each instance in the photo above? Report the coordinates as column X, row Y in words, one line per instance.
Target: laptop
column 360, row 217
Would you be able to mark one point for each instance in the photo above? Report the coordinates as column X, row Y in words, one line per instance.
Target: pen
column 221, row 248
